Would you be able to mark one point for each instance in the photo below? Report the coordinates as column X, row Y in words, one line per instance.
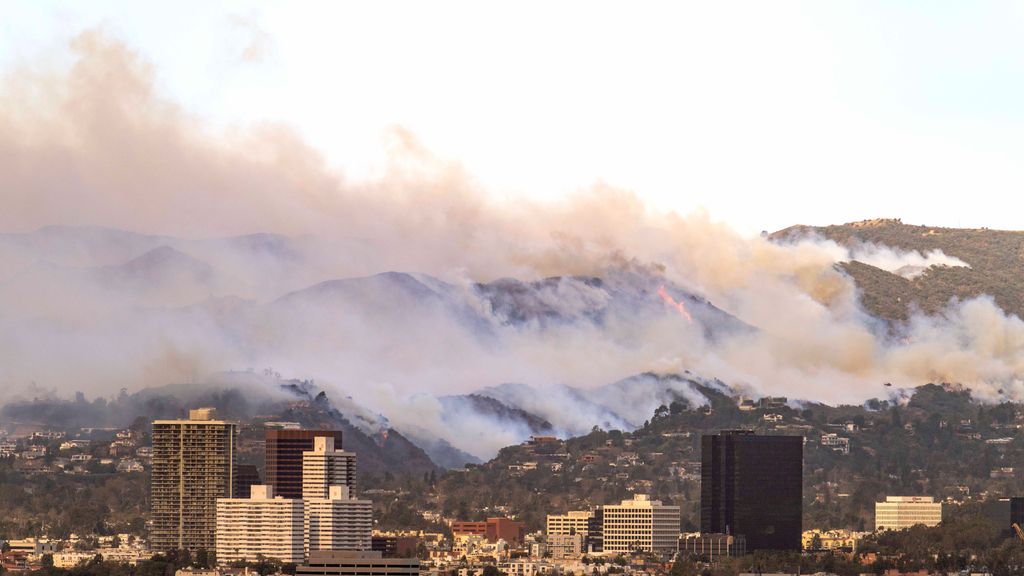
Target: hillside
column 938, row 443
column 996, row 259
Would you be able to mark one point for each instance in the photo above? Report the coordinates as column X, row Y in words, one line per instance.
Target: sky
column 764, row 114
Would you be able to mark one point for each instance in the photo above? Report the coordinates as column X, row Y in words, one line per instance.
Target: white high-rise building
column 338, row 522
column 900, row 512
column 640, row 524
column 324, row 466
column 260, row 525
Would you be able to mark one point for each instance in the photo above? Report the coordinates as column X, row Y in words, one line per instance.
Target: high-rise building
column 752, row 486
column 260, row 525
column 246, row 476
column 338, row 522
column 193, row 466
column 324, row 466
column 284, row 457
column 901, row 512
column 641, row 525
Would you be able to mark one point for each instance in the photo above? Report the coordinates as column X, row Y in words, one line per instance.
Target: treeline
column 159, row 565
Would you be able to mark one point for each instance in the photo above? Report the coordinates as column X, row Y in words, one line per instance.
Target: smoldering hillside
column 144, row 248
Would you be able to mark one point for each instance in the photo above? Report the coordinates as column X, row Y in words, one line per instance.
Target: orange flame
column 679, row 306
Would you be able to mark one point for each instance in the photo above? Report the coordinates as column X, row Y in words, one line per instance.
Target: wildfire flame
column 679, row 306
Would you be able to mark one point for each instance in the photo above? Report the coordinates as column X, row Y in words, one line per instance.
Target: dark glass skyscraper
column 284, row 458
column 753, row 486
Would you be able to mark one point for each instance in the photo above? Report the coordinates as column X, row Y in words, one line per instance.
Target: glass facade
column 752, row 486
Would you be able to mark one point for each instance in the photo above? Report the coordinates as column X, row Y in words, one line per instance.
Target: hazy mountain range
column 458, row 367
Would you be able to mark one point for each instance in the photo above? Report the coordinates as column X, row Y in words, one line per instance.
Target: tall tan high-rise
column 193, row 466
column 325, row 466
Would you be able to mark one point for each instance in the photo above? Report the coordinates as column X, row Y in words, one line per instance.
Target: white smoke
column 97, row 310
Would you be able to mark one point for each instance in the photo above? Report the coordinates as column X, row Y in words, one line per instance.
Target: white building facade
column 640, row 524
column 260, row 525
column 338, row 522
column 324, row 466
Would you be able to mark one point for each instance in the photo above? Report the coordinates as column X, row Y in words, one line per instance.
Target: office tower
column 1005, row 512
column 901, row 512
column 284, row 457
column 752, row 486
column 246, row 476
column 259, row 526
column 193, row 466
column 338, row 522
column 323, row 466
column 641, row 524
column 574, row 522
column 349, row 563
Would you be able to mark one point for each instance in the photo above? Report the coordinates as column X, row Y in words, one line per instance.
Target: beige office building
column 193, row 466
column 324, row 466
column 260, row 525
column 574, row 522
column 338, row 522
column 640, row 524
column 901, row 512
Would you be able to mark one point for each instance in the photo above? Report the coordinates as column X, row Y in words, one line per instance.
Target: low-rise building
column 492, row 529
column 843, row 540
column 712, row 546
column 351, row 563
column 836, row 443
column 565, row 545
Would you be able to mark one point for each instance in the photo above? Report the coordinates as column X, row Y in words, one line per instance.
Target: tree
column 683, row 566
column 202, row 559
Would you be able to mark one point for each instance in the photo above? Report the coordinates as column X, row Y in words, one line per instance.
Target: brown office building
column 284, row 458
column 493, row 529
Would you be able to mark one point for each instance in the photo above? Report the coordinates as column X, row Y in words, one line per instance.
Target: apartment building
column 260, row 525
column 325, row 466
column 337, row 522
column 194, row 464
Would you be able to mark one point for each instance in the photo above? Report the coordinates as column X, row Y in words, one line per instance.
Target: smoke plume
column 181, row 252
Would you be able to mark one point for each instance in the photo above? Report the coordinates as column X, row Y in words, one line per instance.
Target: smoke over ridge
column 246, row 249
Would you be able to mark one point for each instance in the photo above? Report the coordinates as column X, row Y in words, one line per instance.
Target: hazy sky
column 764, row 113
